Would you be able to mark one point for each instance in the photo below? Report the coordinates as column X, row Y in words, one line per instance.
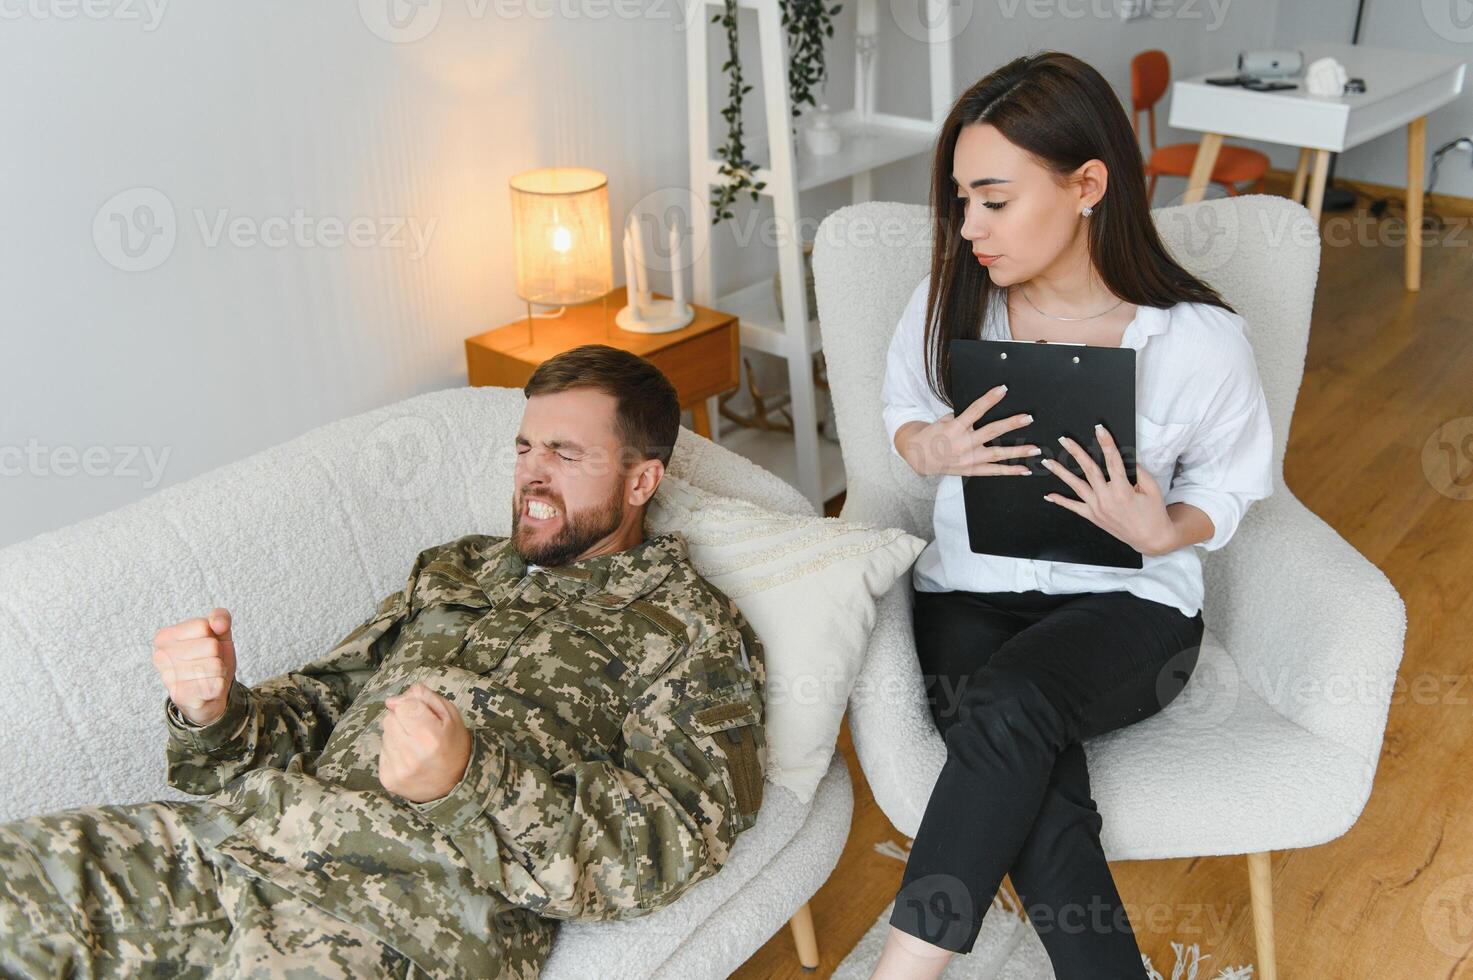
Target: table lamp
column 560, row 220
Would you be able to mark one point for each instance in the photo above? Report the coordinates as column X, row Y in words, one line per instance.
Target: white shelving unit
column 870, row 140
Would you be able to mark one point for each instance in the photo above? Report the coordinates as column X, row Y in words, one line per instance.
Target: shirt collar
column 612, row 580
column 1149, row 321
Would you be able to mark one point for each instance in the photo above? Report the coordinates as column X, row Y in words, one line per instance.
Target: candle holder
column 644, row 313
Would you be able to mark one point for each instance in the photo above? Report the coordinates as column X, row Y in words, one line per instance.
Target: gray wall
column 295, row 122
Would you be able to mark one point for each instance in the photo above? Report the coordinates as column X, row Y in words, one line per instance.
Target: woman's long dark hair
column 1064, row 113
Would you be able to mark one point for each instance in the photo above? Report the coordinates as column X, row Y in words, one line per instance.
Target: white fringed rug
column 1008, row 948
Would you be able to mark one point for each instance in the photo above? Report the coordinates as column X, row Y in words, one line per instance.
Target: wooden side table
column 702, row 359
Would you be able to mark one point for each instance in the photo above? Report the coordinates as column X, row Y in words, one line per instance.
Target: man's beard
column 578, row 533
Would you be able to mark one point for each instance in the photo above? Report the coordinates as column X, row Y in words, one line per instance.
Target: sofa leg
column 1261, row 892
column 804, row 939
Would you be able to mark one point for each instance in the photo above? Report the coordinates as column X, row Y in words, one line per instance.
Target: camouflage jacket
column 618, row 749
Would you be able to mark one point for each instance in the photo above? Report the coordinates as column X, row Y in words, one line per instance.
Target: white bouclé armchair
column 300, row 541
column 1274, row 742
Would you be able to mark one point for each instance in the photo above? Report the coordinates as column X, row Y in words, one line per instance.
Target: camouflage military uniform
column 618, row 749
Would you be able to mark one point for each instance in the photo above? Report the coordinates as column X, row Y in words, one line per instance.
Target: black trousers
column 1015, row 680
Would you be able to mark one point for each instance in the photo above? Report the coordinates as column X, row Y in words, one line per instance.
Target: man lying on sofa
column 566, row 723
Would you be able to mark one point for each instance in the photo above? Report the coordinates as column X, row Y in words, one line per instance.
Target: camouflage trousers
column 132, row 891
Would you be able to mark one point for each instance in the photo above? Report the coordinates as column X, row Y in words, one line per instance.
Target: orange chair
column 1150, row 73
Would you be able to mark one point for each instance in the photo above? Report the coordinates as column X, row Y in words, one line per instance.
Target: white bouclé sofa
column 299, row 542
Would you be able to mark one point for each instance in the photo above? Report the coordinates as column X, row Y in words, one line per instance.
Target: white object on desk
column 631, row 278
column 1271, row 63
column 643, row 313
column 1325, row 77
column 1402, row 87
column 677, row 268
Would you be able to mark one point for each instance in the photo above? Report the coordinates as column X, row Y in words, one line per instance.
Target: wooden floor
column 1392, row 898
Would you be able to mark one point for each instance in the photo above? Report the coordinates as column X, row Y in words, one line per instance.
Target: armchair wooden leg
column 1261, row 892
column 804, row 938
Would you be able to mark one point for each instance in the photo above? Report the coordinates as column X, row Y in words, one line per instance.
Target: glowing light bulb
column 562, row 239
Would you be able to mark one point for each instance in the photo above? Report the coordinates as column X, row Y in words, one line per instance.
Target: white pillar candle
column 869, row 16
column 677, row 269
column 638, row 235
column 630, row 281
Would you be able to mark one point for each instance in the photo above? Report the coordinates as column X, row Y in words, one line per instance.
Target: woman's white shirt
column 1202, row 430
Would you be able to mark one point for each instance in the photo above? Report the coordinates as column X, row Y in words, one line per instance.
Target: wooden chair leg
column 1301, row 175
column 1261, row 893
column 1317, row 184
column 804, row 938
column 1202, row 165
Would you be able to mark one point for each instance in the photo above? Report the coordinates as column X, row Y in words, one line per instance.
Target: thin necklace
column 1052, row 317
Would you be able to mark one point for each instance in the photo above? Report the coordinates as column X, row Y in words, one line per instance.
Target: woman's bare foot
column 906, row 957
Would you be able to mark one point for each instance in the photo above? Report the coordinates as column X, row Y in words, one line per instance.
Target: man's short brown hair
column 648, row 413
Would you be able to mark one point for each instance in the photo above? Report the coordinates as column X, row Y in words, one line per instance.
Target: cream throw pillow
column 808, row 586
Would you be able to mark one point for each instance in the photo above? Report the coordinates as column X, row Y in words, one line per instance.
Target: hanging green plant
column 808, row 24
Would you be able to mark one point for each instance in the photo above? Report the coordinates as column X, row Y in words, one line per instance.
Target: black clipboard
column 1067, row 388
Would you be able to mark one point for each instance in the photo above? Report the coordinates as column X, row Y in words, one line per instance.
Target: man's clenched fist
column 196, row 659
column 426, row 746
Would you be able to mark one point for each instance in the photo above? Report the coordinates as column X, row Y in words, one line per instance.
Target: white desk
column 1402, row 87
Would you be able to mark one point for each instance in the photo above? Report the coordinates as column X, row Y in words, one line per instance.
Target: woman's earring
column 1087, row 211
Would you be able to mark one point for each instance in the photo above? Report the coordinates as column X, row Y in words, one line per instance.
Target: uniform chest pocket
column 432, row 635
column 486, row 642
column 630, row 643
column 1159, row 444
column 439, row 637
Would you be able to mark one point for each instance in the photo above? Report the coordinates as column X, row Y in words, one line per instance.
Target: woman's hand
column 1134, row 514
column 951, row 446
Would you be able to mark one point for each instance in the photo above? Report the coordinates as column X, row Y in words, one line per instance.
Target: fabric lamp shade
column 560, row 217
